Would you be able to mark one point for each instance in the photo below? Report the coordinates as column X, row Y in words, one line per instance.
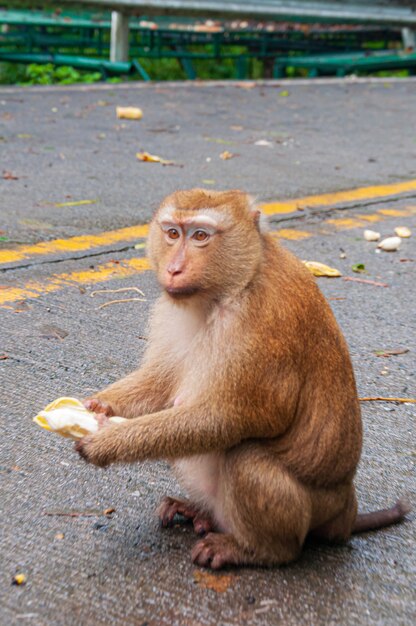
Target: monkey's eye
column 200, row 235
column 173, row 233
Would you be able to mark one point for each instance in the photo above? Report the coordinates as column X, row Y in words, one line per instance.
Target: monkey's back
column 322, row 443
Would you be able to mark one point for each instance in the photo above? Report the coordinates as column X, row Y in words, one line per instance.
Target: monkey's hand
column 100, row 448
column 98, row 406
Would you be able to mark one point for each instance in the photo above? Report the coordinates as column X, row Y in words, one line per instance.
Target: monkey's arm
column 172, row 433
column 145, row 390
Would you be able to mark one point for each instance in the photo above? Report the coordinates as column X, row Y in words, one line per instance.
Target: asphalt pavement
column 69, row 175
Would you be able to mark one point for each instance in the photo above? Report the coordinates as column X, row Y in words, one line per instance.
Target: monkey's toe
column 216, row 550
column 169, row 507
column 202, row 525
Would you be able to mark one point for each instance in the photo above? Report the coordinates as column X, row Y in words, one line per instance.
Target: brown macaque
column 246, row 387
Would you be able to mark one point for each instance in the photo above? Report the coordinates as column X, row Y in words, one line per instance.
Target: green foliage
column 47, row 74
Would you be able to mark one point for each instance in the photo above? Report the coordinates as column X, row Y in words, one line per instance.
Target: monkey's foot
column 98, row 406
column 217, row 550
column 169, row 507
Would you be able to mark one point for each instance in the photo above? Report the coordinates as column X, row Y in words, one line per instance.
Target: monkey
column 246, row 388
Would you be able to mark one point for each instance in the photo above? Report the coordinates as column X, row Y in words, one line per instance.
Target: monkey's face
column 206, row 251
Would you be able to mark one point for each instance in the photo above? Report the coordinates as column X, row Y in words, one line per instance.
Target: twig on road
column 381, row 399
column 364, row 280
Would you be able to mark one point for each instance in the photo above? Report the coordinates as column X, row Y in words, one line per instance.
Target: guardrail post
column 119, row 48
column 409, row 38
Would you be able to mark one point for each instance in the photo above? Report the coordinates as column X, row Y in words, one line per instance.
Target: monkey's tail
column 384, row 517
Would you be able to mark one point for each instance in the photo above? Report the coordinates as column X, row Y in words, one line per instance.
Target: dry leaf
column 390, row 244
column 59, row 536
column 74, row 203
column 226, row 155
column 387, row 353
column 4, row 356
column 371, row 235
column 21, row 306
column 217, row 582
column 403, row 232
column 9, row 175
column 152, row 158
column 49, row 331
column 129, row 113
column 109, row 511
column 319, row 269
column 19, row 579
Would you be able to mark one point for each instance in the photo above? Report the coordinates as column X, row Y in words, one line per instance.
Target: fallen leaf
column 74, row 203
column 221, row 141
column 109, row 511
column 227, row 155
column 284, row 94
column 217, row 582
column 3, row 238
column 388, row 353
column 21, row 306
column 245, row 85
column 35, row 224
column 19, row 579
column 59, row 536
column 365, row 281
column 319, row 269
column 208, row 181
column 9, row 175
column 129, row 113
column 4, row 357
column 358, row 267
column 152, row 158
column 49, row 331
column 24, row 136
column 403, row 232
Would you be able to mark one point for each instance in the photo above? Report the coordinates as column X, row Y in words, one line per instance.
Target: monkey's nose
column 173, row 271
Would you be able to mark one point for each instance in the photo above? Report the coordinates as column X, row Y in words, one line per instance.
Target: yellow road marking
column 107, row 271
column 345, row 223
column 338, row 197
column 291, row 233
column 74, row 244
column 88, row 242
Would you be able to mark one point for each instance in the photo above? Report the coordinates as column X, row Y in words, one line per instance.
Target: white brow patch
column 201, row 220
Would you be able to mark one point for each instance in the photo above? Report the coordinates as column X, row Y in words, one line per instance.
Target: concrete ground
column 61, row 147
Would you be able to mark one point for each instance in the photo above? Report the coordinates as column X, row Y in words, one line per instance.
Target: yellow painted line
column 131, row 233
column 345, row 223
column 291, row 233
column 338, row 197
column 107, row 271
column 373, row 217
column 395, row 212
column 74, row 244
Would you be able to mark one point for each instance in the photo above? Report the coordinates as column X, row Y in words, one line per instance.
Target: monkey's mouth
column 181, row 292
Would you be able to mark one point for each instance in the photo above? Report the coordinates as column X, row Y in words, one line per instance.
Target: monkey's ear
column 260, row 220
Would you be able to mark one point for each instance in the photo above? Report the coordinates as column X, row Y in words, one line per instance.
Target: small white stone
column 390, row 244
column 371, row 235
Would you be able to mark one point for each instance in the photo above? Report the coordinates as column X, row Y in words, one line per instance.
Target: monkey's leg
column 263, row 509
column 169, row 507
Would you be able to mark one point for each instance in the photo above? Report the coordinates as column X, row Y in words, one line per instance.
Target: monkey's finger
column 98, row 406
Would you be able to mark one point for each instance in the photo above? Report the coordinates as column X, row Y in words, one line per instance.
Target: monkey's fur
column 246, row 387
